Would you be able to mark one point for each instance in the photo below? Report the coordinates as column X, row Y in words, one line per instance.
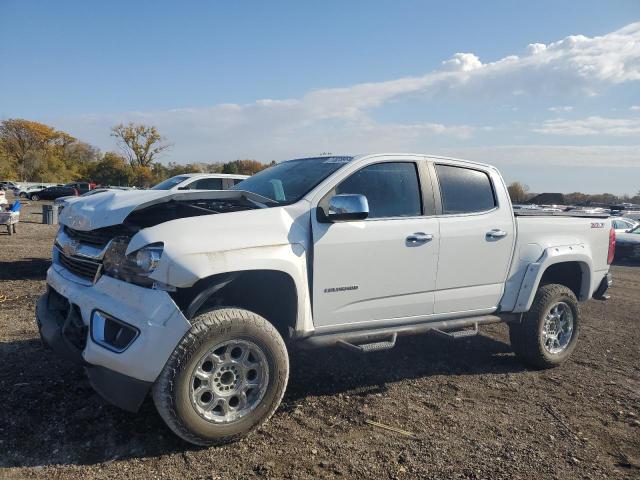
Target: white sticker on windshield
column 337, row 160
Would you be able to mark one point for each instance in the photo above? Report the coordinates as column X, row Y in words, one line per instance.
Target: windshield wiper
column 263, row 204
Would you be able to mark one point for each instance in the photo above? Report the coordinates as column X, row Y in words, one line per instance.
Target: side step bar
column 384, row 338
column 458, row 334
column 370, row 347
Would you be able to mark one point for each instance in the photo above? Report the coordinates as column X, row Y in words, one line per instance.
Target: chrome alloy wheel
column 229, row 381
column 557, row 328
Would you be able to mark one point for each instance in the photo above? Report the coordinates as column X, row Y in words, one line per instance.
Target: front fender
column 288, row 259
column 553, row 255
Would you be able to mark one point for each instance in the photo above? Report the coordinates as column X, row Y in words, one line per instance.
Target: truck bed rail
column 534, row 213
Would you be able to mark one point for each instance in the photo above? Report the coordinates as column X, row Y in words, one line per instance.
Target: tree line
column 519, row 193
column 34, row 152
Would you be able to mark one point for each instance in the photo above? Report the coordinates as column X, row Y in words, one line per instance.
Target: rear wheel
column 22, row 195
column 547, row 334
column 225, row 378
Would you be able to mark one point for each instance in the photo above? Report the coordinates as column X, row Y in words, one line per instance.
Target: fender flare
column 552, row 256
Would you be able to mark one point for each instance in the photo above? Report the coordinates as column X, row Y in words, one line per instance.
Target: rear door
column 477, row 236
column 372, row 270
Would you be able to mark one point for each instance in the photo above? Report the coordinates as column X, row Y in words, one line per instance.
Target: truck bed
column 536, row 213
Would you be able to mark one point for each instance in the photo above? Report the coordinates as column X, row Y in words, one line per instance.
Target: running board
column 385, row 336
column 458, row 334
column 370, row 347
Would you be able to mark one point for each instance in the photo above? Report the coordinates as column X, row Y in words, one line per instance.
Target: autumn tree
column 243, row 167
column 111, row 169
column 517, row 192
column 140, row 143
column 576, row 198
column 28, row 144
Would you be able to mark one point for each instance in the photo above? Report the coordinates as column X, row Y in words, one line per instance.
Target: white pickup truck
column 196, row 296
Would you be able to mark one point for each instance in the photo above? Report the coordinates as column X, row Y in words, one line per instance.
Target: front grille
column 99, row 237
column 88, row 269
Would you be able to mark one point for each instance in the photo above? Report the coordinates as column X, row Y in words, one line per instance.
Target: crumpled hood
column 113, row 207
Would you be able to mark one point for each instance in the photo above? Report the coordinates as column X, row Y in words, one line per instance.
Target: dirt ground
column 473, row 409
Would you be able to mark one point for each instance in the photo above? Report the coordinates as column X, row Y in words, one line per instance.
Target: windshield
column 636, row 230
column 169, row 183
column 289, row 181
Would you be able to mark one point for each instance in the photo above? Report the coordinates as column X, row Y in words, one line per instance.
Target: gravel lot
column 473, row 409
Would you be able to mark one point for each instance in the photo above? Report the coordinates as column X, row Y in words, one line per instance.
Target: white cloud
column 566, row 108
column 341, row 119
column 634, row 108
column 544, row 156
column 616, row 127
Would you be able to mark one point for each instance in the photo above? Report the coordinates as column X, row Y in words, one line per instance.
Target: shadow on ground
column 63, row 422
column 27, row 269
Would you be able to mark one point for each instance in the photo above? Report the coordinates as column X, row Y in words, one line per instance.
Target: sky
column 548, row 91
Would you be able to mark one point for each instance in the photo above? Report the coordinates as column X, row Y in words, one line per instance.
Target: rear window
column 464, row 190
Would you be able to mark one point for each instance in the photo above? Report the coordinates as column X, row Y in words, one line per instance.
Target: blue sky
column 547, row 91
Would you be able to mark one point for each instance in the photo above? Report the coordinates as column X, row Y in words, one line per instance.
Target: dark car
column 81, row 187
column 52, row 193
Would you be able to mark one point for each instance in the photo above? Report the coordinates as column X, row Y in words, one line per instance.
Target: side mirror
column 348, row 207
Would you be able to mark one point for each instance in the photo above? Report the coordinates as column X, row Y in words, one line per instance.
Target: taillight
column 612, row 246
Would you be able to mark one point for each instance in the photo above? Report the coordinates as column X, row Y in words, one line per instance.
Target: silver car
column 623, row 225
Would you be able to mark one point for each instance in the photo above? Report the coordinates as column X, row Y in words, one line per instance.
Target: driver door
column 382, row 268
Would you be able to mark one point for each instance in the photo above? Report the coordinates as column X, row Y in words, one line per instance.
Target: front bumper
column 123, row 378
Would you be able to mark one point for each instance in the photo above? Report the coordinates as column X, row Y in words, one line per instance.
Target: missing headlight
column 111, row 333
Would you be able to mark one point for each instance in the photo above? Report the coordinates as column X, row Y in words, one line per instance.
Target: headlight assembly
column 136, row 266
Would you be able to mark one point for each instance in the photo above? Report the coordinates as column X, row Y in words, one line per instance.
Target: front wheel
column 547, row 334
column 225, row 378
column 35, row 197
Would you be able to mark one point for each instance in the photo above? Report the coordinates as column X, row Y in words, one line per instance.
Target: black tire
column 35, row 197
column 526, row 336
column 23, row 195
column 171, row 391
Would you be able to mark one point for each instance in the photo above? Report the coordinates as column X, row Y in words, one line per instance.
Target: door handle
column 496, row 233
column 419, row 238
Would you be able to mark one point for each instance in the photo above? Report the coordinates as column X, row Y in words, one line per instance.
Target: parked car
column 51, row 193
column 25, row 191
column 81, row 187
column 628, row 244
column 62, row 202
column 200, row 181
column 632, row 214
column 195, row 296
column 6, row 185
column 622, row 225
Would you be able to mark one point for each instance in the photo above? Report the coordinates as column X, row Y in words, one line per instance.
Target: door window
column 392, row 189
column 464, row 190
column 206, row 184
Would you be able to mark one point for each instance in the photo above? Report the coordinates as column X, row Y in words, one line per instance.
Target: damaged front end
column 186, row 207
column 88, row 253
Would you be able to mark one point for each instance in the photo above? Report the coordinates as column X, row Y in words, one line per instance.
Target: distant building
column 547, row 199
